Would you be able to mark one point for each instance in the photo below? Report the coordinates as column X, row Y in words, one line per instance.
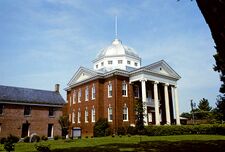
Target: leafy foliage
column 64, row 123
column 100, row 127
column 139, row 118
column 9, row 146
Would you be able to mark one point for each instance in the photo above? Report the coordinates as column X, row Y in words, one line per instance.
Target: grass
column 133, row 143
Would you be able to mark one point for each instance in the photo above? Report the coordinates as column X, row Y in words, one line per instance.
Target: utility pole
column 193, row 105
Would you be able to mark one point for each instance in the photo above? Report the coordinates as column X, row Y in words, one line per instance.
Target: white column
column 176, row 105
column 143, row 91
column 156, row 100
column 167, row 107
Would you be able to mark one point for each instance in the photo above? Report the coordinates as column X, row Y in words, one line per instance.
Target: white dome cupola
column 117, row 56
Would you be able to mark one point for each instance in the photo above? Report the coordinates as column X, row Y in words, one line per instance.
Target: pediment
column 81, row 75
column 161, row 67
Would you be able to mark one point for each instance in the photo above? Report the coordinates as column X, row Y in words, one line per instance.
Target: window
column 86, row 93
column 128, row 62
column 93, row 92
column 71, row 100
column 74, row 96
column 96, row 66
column 51, row 111
column 86, row 115
column 50, row 130
column 79, row 95
column 110, row 89
column 93, row 114
column 124, row 89
column 135, row 64
column 110, row 116
column 27, row 110
column 73, row 117
column 1, row 109
column 125, row 113
column 110, row 62
column 78, row 116
column 136, row 92
column 149, row 117
column 102, row 63
column 120, row 61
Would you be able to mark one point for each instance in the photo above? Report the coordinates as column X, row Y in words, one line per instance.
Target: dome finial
column 116, row 26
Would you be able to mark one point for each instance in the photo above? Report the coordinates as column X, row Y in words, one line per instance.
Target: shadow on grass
column 155, row 146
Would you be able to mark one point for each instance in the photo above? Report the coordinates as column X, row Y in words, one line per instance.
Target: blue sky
column 43, row 42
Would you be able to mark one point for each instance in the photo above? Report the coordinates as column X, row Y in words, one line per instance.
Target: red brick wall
column 13, row 117
column 101, row 103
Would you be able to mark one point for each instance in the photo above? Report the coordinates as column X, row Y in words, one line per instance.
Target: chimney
column 57, row 88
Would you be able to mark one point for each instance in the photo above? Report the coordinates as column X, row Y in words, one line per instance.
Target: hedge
column 215, row 129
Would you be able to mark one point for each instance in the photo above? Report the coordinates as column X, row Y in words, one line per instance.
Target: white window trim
column 79, row 116
column 126, row 95
column 79, row 96
column 86, row 93
column 126, row 113
column 73, row 117
column 109, row 120
column 93, row 114
column 86, row 115
column 93, row 92
column 110, row 84
column 74, row 96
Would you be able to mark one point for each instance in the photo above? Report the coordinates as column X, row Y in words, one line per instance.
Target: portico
column 158, row 92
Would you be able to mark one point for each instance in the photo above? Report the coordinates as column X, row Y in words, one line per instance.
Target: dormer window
column 128, row 62
column 110, row 62
column 135, row 64
column 120, row 61
column 96, row 66
column 102, row 63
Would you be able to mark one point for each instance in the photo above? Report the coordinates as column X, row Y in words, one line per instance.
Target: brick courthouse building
column 26, row 111
column 110, row 89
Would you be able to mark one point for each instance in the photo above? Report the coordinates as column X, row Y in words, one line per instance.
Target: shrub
column 108, row 131
column 56, row 137
column 9, row 146
column 13, row 139
column 131, row 130
column 185, row 130
column 44, row 138
column 26, row 139
column 42, row 148
column 121, row 131
column 3, row 140
column 35, row 138
column 100, row 127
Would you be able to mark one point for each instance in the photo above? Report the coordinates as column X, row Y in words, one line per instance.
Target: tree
column 64, row 123
column 186, row 115
column 100, row 127
column 140, row 118
column 204, row 105
column 203, row 110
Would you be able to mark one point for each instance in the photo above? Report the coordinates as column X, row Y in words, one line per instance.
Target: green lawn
column 134, row 143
